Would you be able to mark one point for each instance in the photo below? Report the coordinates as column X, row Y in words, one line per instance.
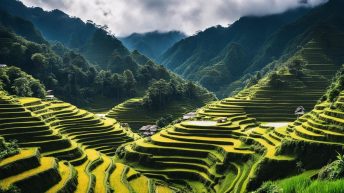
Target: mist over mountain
column 152, row 44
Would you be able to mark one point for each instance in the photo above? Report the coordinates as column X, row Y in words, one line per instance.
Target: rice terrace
column 171, row 96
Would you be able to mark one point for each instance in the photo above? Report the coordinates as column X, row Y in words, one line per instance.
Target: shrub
column 11, row 189
column 8, row 149
column 334, row 170
column 164, row 121
column 269, row 187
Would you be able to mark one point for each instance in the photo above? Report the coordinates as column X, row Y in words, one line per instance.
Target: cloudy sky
column 127, row 16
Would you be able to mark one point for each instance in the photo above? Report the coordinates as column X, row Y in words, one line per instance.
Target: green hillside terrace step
column 101, row 173
column 308, row 134
column 80, row 127
column 202, row 161
column 207, row 125
column 331, row 120
column 17, row 109
column 68, row 180
column 170, row 151
column 22, row 124
column 84, row 128
column 28, row 101
column 22, row 129
column 77, row 113
column 187, row 174
column 35, row 108
column 324, row 126
column 15, row 114
column 184, row 143
column 210, row 172
column 102, row 142
column 332, row 136
column 281, row 132
column 295, row 136
column 84, row 172
column 11, row 106
column 26, row 159
column 334, row 113
column 4, row 120
column 50, row 145
column 143, row 185
column 96, row 136
column 79, row 160
column 276, row 137
column 207, row 140
column 223, row 131
column 38, row 179
column 89, row 135
column 32, row 136
column 234, row 134
column 71, row 153
column 118, row 179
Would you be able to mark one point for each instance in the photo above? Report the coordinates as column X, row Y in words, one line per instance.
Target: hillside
column 219, row 56
column 72, row 77
column 241, row 152
column 282, row 132
column 86, row 38
column 152, row 44
column 62, row 131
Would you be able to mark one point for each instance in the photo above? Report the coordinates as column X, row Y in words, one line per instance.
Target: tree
column 130, row 81
column 21, row 87
column 38, row 89
column 164, row 121
column 39, row 61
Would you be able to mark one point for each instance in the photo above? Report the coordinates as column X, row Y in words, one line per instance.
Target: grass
column 140, row 184
column 162, row 189
column 116, row 179
column 100, row 173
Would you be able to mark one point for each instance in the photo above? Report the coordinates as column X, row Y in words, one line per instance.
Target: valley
column 74, row 110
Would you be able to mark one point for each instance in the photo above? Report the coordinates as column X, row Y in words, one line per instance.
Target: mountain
column 219, row 56
column 75, row 34
column 21, row 26
column 152, row 44
column 99, row 75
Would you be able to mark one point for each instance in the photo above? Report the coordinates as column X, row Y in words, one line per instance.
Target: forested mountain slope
column 219, row 56
column 77, row 75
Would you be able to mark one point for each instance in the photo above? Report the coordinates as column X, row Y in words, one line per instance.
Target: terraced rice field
column 61, row 131
column 202, row 151
column 208, row 155
column 132, row 112
column 268, row 104
column 33, row 173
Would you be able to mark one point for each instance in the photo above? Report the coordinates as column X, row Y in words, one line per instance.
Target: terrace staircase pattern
column 206, row 154
column 31, row 172
column 39, row 128
column 201, row 153
column 266, row 103
column 323, row 125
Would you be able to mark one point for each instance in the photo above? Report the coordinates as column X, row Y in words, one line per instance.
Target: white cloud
column 127, row 16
